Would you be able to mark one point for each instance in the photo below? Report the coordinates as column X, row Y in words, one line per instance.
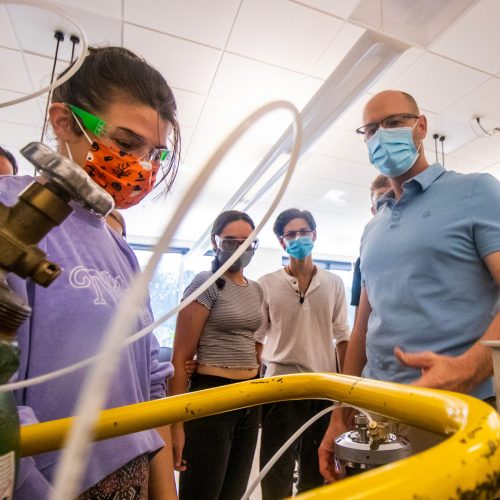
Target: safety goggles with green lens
column 125, row 140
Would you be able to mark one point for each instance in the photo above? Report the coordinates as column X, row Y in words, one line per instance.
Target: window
column 169, row 281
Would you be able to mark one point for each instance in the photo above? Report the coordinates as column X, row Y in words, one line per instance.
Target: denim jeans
column 219, row 449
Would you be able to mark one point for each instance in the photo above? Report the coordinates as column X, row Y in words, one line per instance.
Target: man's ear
column 62, row 121
column 282, row 243
column 314, row 235
column 422, row 127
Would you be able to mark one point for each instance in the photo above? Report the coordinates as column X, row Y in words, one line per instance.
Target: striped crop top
column 228, row 337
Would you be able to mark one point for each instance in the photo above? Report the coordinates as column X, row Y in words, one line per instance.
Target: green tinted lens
column 90, row 121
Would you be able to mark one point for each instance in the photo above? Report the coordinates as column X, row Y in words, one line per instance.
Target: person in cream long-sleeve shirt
column 304, row 329
column 301, row 337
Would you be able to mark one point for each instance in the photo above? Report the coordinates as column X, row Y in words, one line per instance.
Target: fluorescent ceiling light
column 336, row 197
column 365, row 62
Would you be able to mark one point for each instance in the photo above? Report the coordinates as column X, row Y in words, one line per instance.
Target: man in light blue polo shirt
column 431, row 267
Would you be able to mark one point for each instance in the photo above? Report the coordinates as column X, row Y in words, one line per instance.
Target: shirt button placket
column 396, row 215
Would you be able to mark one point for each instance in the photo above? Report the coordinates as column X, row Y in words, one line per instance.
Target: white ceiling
column 224, row 58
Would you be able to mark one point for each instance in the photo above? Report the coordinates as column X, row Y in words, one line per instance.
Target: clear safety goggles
column 231, row 244
column 292, row 235
column 125, row 140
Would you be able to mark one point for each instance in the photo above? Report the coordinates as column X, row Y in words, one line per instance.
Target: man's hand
column 339, row 423
column 439, row 372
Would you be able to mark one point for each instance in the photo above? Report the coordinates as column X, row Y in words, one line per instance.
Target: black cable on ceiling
column 59, row 36
column 436, row 137
column 442, row 139
column 75, row 41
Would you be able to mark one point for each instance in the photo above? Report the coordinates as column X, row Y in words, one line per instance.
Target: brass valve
column 379, row 431
column 42, row 206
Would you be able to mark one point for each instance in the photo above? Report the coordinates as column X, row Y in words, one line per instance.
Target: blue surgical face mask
column 299, row 248
column 392, row 150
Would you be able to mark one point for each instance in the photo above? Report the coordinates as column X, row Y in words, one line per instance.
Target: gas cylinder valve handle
column 68, row 178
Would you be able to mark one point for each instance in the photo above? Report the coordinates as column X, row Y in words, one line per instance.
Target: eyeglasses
column 231, row 244
column 393, row 121
column 126, row 140
column 292, row 235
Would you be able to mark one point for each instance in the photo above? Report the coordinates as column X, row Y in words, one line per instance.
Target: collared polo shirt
column 422, row 266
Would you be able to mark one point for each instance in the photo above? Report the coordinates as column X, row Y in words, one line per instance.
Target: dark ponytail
column 109, row 74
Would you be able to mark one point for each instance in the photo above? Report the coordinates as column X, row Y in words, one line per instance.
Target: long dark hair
column 220, row 223
column 111, row 73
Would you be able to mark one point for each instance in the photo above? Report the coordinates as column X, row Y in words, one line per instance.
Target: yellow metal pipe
column 468, row 461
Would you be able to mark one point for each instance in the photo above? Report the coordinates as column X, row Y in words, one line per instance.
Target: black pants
column 279, row 422
column 219, row 450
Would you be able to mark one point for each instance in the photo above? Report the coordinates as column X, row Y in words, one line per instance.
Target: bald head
column 387, row 103
column 402, row 111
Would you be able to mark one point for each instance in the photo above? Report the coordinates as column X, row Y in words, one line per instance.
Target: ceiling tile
column 185, row 65
column 40, row 68
column 485, row 151
column 222, row 115
column 38, row 37
column 340, row 171
column 456, row 133
column 16, row 136
column 475, row 39
column 289, row 35
column 16, row 79
column 436, row 83
column 341, row 8
column 398, row 68
column 203, row 143
column 353, row 116
column 340, row 143
column 483, row 102
column 494, row 170
column 245, row 151
column 189, row 106
column 204, row 22
column 337, row 50
column 186, row 135
column 25, row 113
column 419, row 22
column 7, row 37
column 329, row 192
column 461, row 165
column 109, row 8
column 254, row 83
column 305, row 91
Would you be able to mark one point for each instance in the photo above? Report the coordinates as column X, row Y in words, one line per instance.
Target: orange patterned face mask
column 127, row 179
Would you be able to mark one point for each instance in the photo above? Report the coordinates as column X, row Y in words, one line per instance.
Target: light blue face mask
column 299, row 248
column 392, row 150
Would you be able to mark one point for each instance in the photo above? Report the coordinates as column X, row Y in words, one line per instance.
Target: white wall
column 265, row 261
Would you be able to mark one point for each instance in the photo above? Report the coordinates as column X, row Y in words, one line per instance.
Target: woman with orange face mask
column 116, row 118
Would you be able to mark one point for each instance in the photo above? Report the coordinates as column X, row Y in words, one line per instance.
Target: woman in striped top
column 214, row 454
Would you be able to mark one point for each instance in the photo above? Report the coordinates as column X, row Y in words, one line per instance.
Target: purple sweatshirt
column 67, row 325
